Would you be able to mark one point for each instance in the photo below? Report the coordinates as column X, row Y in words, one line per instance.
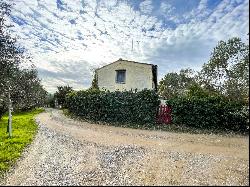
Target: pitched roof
column 126, row 61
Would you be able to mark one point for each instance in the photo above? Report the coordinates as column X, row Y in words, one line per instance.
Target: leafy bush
column 3, row 108
column 60, row 95
column 2, row 111
column 209, row 112
column 125, row 107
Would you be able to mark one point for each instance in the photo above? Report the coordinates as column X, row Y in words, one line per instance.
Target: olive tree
column 23, row 85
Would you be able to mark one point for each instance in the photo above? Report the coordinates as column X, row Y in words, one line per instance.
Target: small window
column 120, row 76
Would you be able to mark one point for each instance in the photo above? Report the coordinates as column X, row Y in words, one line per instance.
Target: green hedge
column 125, row 107
column 210, row 112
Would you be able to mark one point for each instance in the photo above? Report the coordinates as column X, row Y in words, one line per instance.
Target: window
column 120, row 76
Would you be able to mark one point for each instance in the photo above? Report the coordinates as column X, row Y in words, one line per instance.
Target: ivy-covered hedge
column 125, row 107
column 210, row 112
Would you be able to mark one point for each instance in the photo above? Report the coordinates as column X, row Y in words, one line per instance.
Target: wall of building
column 138, row 76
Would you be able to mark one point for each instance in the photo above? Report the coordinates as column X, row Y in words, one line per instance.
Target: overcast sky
column 69, row 38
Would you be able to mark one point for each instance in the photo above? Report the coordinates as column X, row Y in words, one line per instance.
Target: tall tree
column 94, row 84
column 9, row 55
column 61, row 93
column 29, row 92
column 23, row 84
column 227, row 70
column 174, row 84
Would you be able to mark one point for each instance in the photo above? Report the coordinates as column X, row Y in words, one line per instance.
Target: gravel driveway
column 68, row 152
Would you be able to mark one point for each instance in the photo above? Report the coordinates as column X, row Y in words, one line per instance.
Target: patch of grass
column 24, row 129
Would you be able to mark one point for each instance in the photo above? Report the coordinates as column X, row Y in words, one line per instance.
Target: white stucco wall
column 137, row 76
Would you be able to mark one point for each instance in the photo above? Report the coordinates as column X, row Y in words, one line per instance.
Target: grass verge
column 24, row 129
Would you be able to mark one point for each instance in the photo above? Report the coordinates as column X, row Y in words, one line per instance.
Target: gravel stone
column 68, row 152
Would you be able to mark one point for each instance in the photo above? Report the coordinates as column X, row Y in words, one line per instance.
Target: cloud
column 146, row 7
column 76, row 73
column 166, row 8
column 69, row 38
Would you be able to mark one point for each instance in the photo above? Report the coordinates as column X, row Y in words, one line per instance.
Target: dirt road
column 68, row 152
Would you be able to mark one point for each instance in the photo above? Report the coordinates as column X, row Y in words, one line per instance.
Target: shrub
column 60, row 95
column 125, row 107
column 209, row 112
column 3, row 108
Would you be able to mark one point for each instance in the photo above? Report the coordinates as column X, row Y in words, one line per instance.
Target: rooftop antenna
column 132, row 45
column 138, row 43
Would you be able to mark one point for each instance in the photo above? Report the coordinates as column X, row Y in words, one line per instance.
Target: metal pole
column 10, row 116
column 132, row 45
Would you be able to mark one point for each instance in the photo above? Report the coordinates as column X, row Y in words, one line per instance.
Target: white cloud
column 146, row 6
column 166, row 8
column 67, row 44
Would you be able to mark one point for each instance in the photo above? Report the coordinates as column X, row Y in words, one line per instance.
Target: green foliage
column 50, row 100
column 2, row 109
column 23, row 84
column 209, row 112
column 60, row 95
column 125, row 107
column 28, row 92
column 94, row 84
column 215, row 98
column 195, row 90
column 227, row 70
column 175, row 84
column 24, row 129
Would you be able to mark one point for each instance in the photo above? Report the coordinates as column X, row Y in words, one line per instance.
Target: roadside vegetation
column 213, row 100
column 173, row 127
column 18, row 75
column 123, row 107
column 24, row 130
column 21, row 91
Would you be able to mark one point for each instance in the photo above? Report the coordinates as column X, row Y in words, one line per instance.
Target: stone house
column 126, row 75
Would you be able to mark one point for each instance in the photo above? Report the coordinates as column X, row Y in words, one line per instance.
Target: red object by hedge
column 164, row 114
